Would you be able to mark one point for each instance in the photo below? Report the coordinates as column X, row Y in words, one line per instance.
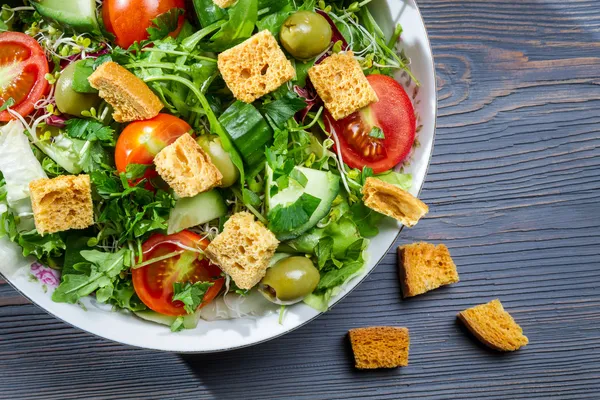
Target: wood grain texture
column 514, row 191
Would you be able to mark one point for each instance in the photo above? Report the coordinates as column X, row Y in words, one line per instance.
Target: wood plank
column 514, row 191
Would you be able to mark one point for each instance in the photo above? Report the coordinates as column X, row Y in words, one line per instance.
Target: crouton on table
column 187, row 168
column 255, row 67
column 243, row 250
column 130, row 97
column 342, row 84
column 380, row 347
column 393, row 201
column 493, row 326
column 62, row 203
column 424, row 267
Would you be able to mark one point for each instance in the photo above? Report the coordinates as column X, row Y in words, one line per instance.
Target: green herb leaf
column 136, row 171
column 83, row 69
column 90, row 130
column 285, row 219
column 190, row 295
column 299, row 177
column 164, row 24
column 8, row 103
column 324, row 251
column 377, row 133
column 336, row 277
column 242, row 19
column 177, row 325
column 278, row 112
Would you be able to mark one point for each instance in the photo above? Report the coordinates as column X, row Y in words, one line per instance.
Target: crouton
column 130, row 97
column 493, row 326
column 380, row 347
column 243, row 250
column 342, row 85
column 393, row 201
column 224, row 3
column 187, row 168
column 62, row 203
column 424, row 267
column 255, row 67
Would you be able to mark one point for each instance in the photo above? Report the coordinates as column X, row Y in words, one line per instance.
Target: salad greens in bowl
column 192, row 179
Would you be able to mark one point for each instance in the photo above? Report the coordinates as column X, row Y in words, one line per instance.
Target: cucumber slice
column 320, row 184
column 249, row 131
column 193, row 211
column 190, row 321
column 78, row 14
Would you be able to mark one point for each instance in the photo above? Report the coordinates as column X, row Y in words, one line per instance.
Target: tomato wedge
column 394, row 115
column 23, row 67
column 153, row 283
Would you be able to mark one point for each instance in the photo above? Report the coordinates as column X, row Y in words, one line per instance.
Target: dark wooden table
column 514, row 191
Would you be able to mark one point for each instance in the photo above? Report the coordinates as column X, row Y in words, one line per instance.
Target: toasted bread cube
column 393, row 201
column 224, row 3
column 130, row 97
column 493, row 326
column 342, row 84
column 187, row 168
column 62, row 203
column 424, row 267
column 243, row 250
column 380, row 347
column 255, row 67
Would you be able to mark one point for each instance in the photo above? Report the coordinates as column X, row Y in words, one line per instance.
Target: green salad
column 172, row 157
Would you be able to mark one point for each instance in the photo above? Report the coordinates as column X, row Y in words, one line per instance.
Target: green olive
column 305, row 34
column 290, row 280
column 212, row 146
column 69, row 101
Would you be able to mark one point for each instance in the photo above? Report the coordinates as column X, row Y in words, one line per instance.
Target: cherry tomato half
column 23, row 67
column 141, row 141
column 129, row 19
column 393, row 114
column 153, row 283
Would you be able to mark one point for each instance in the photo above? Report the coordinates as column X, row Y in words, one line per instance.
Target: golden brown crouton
column 424, row 267
column 494, row 327
column 380, row 347
column 393, row 201
column 131, row 98
column 341, row 83
column 62, row 203
column 255, row 67
column 243, row 250
column 224, row 3
column 187, row 168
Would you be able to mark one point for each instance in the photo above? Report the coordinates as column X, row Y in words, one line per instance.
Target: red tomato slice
column 393, row 114
column 153, row 283
column 129, row 19
column 141, row 141
column 23, row 67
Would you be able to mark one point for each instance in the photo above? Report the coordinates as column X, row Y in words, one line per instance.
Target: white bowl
column 230, row 334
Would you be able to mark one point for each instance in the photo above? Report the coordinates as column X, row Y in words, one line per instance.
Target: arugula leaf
column 354, row 251
column 90, row 130
column 8, row 103
column 285, row 219
column 100, row 270
column 376, row 133
column 324, row 251
column 366, row 220
column 164, row 24
column 274, row 21
column 278, row 112
column 190, row 295
column 336, row 277
column 208, row 12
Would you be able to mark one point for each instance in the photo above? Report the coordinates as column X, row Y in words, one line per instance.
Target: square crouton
column 130, row 97
column 341, row 83
column 493, row 326
column 187, row 168
column 380, row 347
column 255, row 67
column 243, row 250
column 393, row 201
column 224, row 3
column 424, row 267
column 62, row 203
